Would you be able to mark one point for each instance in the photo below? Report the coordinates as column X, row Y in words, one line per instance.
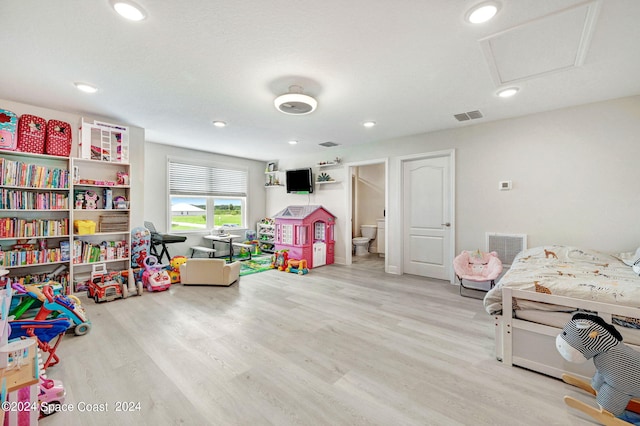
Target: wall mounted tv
column 299, row 181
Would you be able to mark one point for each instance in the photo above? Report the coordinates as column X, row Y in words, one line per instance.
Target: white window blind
column 192, row 179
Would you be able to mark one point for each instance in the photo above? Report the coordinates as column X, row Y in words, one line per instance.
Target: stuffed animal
column 91, row 200
column 617, row 377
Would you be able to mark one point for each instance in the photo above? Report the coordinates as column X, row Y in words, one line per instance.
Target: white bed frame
column 532, row 345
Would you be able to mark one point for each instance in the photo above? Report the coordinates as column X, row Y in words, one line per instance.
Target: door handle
column 448, row 224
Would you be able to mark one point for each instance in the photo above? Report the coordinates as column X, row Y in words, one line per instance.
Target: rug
column 256, row 264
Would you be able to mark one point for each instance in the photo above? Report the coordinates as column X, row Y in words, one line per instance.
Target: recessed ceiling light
column 129, row 10
column 508, row 92
column 85, row 87
column 482, row 12
column 293, row 142
column 219, row 123
column 369, row 123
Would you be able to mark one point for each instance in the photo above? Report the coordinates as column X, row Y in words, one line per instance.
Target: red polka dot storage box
column 8, row 124
column 58, row 138
column 31, row 133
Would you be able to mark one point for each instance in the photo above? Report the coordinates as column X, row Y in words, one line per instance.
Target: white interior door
column 427, row 212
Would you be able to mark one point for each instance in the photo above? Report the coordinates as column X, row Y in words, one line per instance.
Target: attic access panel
column 552, row 43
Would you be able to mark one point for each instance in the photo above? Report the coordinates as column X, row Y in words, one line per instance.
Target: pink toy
column 155, row 277
column 90, row 200
column 51, row 396
column 477, row 266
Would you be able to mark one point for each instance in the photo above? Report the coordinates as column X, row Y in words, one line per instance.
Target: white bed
column 542, row 291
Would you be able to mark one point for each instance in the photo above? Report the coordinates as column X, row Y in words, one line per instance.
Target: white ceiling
column 409, row 65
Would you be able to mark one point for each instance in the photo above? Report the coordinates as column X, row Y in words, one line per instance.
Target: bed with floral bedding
column 544, row 287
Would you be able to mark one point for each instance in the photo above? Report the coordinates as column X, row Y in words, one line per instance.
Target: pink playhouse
column 307, row 232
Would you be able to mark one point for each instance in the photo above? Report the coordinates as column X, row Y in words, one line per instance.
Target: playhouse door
column 319, row 254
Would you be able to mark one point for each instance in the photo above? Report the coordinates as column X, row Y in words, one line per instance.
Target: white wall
column 574, row 172
column 157, row 199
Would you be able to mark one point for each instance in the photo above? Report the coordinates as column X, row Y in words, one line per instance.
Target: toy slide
column 599, row 414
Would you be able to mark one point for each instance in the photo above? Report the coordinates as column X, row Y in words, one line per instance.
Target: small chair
column 203, row 271
column 477, row 266
column 158, row 239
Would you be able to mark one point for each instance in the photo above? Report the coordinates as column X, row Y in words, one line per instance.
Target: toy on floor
column 140, row 245
column 617, row 378
column 51, row 394
column 174, row 270
column 130, row 286
column 61, row 305
column 155, row 277
column 279, row 259
column 297, row 266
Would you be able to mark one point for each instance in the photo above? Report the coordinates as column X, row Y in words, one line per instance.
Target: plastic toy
column 133, row 288
column 65, row 306
column 104, row 286
column 617, row 378
column 279, row 259
column 174, row 271
column 140, row 245
column 51, row 395
column 79, row 201
column 45, row 332
column 91, row 200
column 297, row 266
column 155, row 277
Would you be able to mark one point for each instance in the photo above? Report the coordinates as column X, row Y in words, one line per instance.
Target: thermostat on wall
column 505, row 185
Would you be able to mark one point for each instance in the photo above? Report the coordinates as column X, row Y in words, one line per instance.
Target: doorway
column 367, row 204
column 427, row 215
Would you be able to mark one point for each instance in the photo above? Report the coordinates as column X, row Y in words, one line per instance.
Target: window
column 203, row 197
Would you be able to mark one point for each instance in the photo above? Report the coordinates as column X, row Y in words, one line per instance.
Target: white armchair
column 200, row 271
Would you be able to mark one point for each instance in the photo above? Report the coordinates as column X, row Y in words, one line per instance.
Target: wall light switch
column 505, row 185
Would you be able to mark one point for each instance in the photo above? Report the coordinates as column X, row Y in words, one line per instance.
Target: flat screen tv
column 299, row 181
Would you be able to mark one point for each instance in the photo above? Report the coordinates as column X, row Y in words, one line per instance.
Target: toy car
column 104, row 289
column 51, row 396
column 155, row 277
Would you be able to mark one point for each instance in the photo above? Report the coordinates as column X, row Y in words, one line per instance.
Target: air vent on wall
column 506, row 245
column 328, row 144
column 471, row 115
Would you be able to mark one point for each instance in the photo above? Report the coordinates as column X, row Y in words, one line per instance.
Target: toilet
column 361, row 244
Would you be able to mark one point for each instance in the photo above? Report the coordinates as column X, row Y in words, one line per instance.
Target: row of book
column 85, row 252
column 19, row 173
column 27, row 200
column 11, row 258
column 13, row 227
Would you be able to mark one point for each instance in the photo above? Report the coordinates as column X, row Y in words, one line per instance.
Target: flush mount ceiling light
column 482, row 12
column 219, row 123
column 369, row 124
column 293, row 142
column 128, row 10
column 85, row 87
column 295, row 102
column 508, row 92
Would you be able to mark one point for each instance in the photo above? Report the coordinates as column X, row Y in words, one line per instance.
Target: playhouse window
column 301, row 235
column 319, row 231
column 287, row 234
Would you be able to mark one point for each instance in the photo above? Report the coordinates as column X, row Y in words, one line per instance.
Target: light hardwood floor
column 339, row 346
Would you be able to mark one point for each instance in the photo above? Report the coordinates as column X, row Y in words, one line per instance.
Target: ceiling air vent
column 328, row 144
column 470, row 115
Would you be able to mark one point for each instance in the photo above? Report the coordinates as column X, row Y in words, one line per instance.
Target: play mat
column 256, row 264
